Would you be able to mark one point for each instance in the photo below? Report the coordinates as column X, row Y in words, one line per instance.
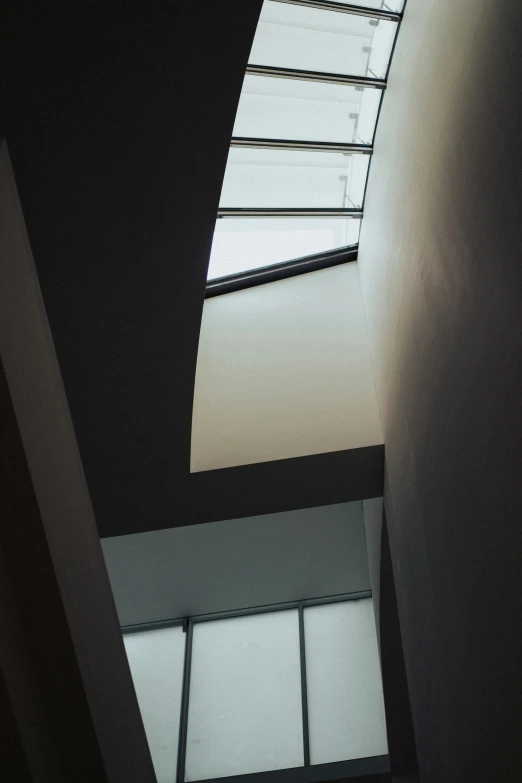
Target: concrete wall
column 441, row 272
column 284, row 370
column 238, row 563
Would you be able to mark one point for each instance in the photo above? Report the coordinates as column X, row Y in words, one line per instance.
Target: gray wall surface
column 238, row 563
column 440, row 263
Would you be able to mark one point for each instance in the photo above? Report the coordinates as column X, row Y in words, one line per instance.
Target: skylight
column 295, row 179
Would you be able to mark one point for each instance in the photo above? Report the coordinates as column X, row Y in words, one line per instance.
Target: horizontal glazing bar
column 232, row 212
column 344, row 8
column 331, row 599
column 344, row 253
column 315, row 76
column 284, row 144
column 155, row 625
column 281, row 607
column 275, row 272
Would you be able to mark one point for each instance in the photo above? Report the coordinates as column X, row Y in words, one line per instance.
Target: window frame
column 303, row 265
column 307, row 773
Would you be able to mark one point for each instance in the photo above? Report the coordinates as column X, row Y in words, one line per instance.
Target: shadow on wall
column 441, row 278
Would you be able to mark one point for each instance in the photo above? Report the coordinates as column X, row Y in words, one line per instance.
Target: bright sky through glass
column 278, row 109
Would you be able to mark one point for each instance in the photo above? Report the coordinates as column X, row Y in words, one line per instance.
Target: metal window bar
column 286, row 269
column 290, row 144
column 304, row 689
column 344, row 8
column 201, row 618
column 314, row 76
column 185, row 689
column 255, row 212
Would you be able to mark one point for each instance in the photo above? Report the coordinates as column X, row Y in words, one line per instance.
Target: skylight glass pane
column 293, row 179
column 307, row 111
column 156, row 661
column 382, row 5
column 241, row 244
column 245, row 696
column 291, row 36
column 345, row 701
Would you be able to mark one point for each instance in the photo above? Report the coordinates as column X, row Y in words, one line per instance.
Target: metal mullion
column 344, row 8
column 248, row 142
column 314, row 76
column 304, row 691
column 254, row 212
column 185, row 690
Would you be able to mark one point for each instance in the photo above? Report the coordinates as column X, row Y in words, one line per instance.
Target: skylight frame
column 302, row 265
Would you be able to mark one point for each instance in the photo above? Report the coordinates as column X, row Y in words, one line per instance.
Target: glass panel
column 245, row 696
column 294, row 179
column 382, row 5
column 345, row 701
column 291, row 36
column 249, row 243
column 307, row 111
column 156, row 661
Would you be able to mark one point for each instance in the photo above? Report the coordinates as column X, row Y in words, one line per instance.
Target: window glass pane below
column 345, row 700
column 245, row 697
column 156, row 660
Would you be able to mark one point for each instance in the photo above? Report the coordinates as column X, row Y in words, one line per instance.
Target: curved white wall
column 284, row 370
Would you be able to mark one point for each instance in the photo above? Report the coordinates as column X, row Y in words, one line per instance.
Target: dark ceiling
column 118, row 120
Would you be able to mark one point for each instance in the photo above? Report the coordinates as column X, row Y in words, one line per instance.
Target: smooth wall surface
column 440, row 264
column 238, row 563
column 284, row 370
